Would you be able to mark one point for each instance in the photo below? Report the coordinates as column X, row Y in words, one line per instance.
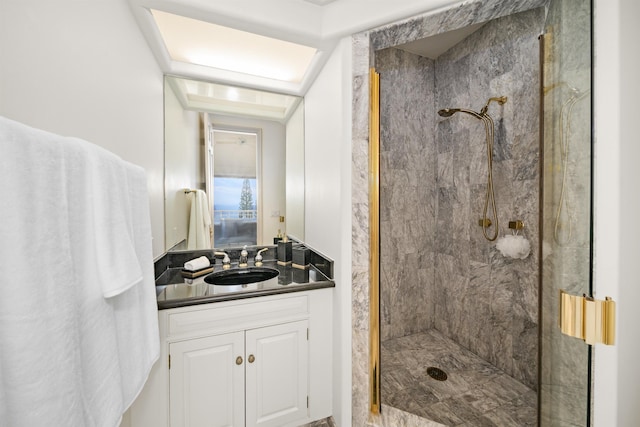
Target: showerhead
column 482, row 115
column 448, row 112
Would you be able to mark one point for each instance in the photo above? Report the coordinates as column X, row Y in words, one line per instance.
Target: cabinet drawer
column 220, row 318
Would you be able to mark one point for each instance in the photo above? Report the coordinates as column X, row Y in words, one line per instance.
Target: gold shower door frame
column 374, row 241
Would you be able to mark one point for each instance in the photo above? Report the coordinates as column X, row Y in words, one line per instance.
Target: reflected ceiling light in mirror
column 203, row 43
column 220, row 98
column 232, row 94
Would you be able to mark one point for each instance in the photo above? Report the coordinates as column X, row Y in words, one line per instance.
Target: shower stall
column 467, row 333
column 449, row 299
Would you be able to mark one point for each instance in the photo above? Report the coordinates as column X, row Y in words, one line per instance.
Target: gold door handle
column 591, row 320
column 239, row 360
column 252, row 358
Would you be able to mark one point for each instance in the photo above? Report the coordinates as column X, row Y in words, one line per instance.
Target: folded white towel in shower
column 79, row 329
column 197, row 263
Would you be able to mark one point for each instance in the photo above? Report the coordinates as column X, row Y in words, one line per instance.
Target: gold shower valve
column 484, row 222
column 516, row 225
column 589, row 319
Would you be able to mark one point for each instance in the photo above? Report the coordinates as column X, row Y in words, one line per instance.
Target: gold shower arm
column 500, row 100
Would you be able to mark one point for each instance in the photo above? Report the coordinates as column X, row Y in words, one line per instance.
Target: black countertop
column 174, row 290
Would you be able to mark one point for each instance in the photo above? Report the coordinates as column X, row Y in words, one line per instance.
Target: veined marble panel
column 460, row 16
column 499, row 59
column 407, row 177
column 457, row 169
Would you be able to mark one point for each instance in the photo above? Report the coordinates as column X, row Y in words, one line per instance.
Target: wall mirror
column 234, row 165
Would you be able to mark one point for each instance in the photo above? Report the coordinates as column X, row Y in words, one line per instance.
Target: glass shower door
column 566, row 223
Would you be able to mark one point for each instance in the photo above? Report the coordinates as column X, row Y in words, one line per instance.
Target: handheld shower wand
column 489, row 128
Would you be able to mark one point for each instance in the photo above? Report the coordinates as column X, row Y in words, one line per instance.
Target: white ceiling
column 203, row 43
column 319, row 24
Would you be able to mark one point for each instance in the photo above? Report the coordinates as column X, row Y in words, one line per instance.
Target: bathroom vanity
column 249, row 355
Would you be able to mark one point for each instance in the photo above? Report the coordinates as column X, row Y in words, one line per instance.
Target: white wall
column 328, row 202
column 629, row 319
column 83, row 69
column 617, row 91
column 183, row 166
column 294, row 163
column 272, row 172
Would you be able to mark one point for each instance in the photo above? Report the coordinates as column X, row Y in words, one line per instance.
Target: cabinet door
column 206, row 381
column 277, row 374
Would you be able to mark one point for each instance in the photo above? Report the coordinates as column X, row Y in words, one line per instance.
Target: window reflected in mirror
column 233, row 163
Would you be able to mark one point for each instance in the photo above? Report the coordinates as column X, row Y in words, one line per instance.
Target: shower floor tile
column 475, row 393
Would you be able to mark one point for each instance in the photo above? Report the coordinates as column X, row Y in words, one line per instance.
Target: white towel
column 197, row 263
column 71, row 356
column 199, row 222
column 108, row 218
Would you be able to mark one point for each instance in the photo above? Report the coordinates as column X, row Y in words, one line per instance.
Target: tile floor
column 475, row 393
column 327, row 422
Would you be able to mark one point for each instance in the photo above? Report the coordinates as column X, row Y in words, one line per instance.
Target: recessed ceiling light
column 203, row 43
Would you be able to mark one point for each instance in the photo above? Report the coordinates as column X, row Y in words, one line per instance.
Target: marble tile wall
column 360, row 414
column 364, row 51
column 484, row 301
column 437, row 269
column 408, row 194
column 453, row 18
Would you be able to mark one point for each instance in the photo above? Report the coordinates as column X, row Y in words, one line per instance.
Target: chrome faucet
column 258, row 259
column 243, row 261
column 226, row 261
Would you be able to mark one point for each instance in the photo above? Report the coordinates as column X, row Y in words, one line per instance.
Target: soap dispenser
column 284, row 251
column 244, row 257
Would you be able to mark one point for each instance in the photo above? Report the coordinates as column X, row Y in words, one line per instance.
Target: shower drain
column 437, row 373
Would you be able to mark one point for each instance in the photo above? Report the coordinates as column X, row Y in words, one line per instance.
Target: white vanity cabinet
column 277, row 376
column 206, row 385
column 263, row 361
column 212, row 378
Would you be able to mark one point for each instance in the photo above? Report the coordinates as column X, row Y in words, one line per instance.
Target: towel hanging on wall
column 199, row 221
column 78, row 327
